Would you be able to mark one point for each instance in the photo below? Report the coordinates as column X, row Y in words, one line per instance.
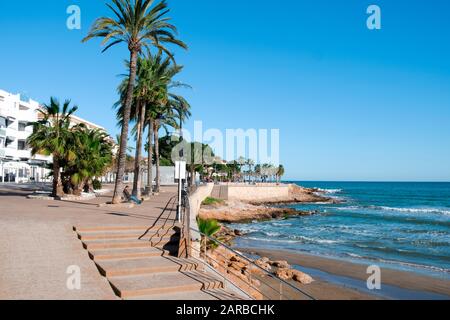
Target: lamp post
column 180, row 171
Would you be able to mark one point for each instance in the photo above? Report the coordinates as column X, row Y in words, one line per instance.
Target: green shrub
column 96, row 184
column 208, row 227
column 211, row 201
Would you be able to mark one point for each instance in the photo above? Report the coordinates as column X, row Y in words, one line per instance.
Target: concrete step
column 113, row 228
column 130, row 243
column 166, row 233
column 203, row 295
column 163, row 283
column 178, row 296
column 140, row 266
column 110, row 244
column 127, row 253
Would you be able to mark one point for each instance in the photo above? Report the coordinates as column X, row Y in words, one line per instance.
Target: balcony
column 11, row 153
column 23, row 154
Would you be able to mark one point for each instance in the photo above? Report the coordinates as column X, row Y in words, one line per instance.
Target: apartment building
column 17, row 164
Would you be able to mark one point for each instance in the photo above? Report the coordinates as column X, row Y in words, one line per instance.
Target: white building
column 16, row 162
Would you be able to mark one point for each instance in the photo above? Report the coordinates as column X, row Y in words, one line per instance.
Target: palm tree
column 152, row 75
column 167, row 109
column 94, row 156
column 153, row 106
column 208, row 228
column 51, row 136
column 280, row 172
column 138, row 24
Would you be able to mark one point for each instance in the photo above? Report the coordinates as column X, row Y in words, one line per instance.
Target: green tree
column 138, row 24
column 93, row 156
column 51, row 136
column 280, row 172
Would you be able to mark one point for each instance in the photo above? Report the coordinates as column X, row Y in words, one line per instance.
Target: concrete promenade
column 37, row 243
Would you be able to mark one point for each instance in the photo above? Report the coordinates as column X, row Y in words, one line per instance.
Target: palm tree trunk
column 150, row 157
column 124, row 135
column 156, row 134
column 57, row 183
column 138, row 159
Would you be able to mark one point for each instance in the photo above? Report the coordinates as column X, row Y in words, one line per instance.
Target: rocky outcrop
column 237, row 211
column 301, row 277
column 242, row 273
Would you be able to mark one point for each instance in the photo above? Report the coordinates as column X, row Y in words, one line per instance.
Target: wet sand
column 326, row 290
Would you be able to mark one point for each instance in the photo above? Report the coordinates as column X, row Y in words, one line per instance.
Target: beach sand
column 408, row 285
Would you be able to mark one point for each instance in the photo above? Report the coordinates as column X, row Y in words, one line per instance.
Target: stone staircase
column 141, row 263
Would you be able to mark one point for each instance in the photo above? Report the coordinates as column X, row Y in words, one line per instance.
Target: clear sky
column 350, row 103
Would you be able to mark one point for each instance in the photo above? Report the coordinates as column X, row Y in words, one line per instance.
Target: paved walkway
column 37, row 243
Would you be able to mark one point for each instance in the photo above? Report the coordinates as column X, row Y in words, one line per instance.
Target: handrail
column 254, row 265
column 186, row 236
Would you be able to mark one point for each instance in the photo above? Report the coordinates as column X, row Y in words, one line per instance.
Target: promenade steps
column 141, row 263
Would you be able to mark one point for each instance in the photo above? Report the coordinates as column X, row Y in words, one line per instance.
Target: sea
column 401, row 225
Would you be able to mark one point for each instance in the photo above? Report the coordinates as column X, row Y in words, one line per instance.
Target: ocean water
column 400, row 225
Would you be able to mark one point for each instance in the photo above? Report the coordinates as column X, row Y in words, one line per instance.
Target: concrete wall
column 262, row 192
column 195, row 202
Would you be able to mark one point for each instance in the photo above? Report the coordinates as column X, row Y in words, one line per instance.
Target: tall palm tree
column 51, row 136
column 138, row 24
column 280, row 173
column 153, row 106
column 165, row 109
column 151, row 76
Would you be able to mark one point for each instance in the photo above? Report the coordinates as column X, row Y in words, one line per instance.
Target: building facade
column 17, row 164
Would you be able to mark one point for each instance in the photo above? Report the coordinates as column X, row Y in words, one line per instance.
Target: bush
column 209, row 228
column 96, row 184
column 211, row 201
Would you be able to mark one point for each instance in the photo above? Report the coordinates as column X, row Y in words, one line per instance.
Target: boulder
column 238, row 265
column 264, row 260
column 301, row 277
column 263, row 264
column 280, row 264
column 284, row 274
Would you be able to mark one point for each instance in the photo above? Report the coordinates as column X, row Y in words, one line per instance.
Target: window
column 8, row 142
column 2, row 142
column 2, row 122
column 22, row 126
column 21, row 145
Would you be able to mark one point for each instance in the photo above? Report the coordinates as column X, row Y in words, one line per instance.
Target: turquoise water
column 400, row 225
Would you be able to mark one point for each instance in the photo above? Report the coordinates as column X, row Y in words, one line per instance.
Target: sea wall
column 195, row 202
column 258, row 193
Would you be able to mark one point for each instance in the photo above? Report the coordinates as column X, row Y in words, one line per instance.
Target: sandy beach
column 352, row 277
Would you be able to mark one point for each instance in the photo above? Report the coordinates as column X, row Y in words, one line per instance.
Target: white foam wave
column 330, row 191
column 275, row 237
column 416, row 210
column 396, row 209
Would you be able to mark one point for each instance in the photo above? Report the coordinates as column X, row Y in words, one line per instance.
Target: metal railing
column 251, row 279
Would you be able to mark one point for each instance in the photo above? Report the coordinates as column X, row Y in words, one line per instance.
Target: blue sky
column 350, row 103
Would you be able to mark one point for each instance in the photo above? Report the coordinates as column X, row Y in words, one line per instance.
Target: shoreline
column 346, row 275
